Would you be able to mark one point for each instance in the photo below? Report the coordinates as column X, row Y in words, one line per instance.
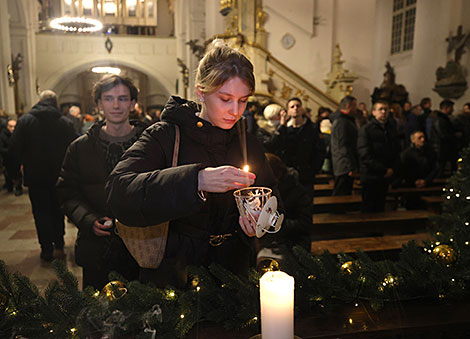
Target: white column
column 7, row 100
column 189, row 25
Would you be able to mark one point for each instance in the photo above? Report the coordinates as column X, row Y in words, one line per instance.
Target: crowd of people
column 394, row 145
column 183, row 166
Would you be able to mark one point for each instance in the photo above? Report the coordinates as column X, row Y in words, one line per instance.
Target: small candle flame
column 246, row 168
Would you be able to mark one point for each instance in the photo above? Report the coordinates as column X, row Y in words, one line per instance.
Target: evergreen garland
column 324, row 283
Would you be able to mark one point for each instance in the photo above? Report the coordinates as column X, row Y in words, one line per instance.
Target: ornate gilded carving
column 286, row 91
column 260, row 19
column 225, row 7
column 339, row 79
column 196, row 49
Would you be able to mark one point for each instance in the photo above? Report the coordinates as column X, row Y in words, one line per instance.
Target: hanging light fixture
column 76, row 24
column 106, row 69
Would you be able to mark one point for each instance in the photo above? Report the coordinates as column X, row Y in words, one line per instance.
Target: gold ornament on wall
column 286, row 92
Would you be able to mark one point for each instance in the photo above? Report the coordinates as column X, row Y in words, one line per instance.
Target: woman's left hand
column 246, row 226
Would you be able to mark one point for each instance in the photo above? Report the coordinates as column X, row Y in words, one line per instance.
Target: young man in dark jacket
column 39, row 143
column 299, row 145
column 88, row 162
column 378, row 147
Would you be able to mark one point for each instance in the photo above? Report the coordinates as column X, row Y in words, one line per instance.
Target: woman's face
column 224, row 107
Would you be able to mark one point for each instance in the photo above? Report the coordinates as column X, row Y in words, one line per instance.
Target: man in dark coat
column 443, row 137
column 418, row 167
column 5, row 141
column 378, row 147
column 299, row 145
column 87, row 164
column 39, row 143
column 344, row 147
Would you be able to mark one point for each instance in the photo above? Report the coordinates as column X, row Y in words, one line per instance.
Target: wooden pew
column 334, row 226
column 322, row 190
column 430, row 190
column 367, row 244
column 343, row 203
column 337, row 203
column 433, row 202
column 323, row 178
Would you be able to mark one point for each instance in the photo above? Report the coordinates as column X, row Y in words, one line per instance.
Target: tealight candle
column 277, row 305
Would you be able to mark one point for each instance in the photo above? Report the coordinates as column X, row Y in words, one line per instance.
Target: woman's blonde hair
column 271, row 111
column 220, row 64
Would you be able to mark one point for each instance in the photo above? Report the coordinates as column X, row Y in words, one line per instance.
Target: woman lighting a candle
column 196, row 195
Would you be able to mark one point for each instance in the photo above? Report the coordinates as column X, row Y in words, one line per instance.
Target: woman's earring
column 201, row 99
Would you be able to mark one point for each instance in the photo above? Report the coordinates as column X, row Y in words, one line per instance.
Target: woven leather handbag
column 147, row 244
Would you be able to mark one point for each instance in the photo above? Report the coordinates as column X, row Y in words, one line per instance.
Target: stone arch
column 55, row 81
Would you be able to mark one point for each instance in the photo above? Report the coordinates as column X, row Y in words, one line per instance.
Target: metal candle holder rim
column 238, row 193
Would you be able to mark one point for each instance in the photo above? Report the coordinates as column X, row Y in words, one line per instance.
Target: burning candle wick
column 246, row 168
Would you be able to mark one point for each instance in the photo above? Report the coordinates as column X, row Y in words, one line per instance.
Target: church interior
column 317, row 50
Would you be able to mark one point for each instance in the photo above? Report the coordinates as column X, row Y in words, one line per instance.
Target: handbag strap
column 176, row 147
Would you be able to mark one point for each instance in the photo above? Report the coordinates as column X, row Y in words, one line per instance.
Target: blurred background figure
column 250, row 113
column 74, row 115
column 88, row 121
column 39, row 142
column 444, row 137
column 268, row 125
column 462, row 127
column 5, row 141
column 344, row 154
column 418, row 168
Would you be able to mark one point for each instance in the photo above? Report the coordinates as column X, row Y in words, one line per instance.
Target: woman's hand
column 247, row 227
column 101, row 227
column 224, row 178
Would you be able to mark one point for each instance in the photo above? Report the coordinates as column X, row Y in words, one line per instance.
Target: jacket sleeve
column 342, row 162
column 144, row 190
column 72, row 201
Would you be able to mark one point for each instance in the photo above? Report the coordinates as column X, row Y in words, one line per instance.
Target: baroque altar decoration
column 389, row 90
column 451, row 80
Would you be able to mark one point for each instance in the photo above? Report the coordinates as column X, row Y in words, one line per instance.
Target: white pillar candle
column 277, row 305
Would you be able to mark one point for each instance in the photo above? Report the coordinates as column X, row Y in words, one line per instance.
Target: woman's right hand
column 224, row 178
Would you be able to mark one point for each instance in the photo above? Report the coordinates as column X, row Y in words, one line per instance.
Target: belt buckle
column 218, row 239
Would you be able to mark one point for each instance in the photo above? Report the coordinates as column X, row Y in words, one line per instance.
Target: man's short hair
column 380, row 101
column 416, row 131
column 49, row 96
column 346, row 101
column 446, row 103
column 425, row 101
column 294, row 99
column 323, row 109
column 109, row 81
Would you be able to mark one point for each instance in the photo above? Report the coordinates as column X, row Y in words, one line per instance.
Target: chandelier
column 106, row 69
column 76, row 24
